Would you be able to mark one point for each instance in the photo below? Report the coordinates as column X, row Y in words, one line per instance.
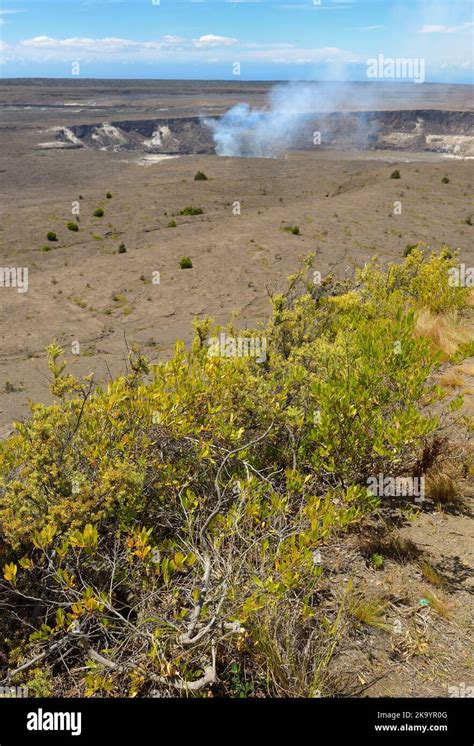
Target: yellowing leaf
column 9, row 572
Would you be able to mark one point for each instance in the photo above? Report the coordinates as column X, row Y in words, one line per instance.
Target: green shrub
column 98, row 212
column 377, row 561
column 191, row 211
column 51, row 236
column 122, row 249
column 445, row 180
column 46, row 247
column 395, row 174
column 294, row 229
column 39, row 682
column 172, row 224
column 423, row 279
column 185, row 262
column 73, row 227
column 200, row 176
column 109, row 195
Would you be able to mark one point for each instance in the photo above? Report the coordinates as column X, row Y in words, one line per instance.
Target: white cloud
column 442, row 29
column 104, row 45
column 434, row 29
column 207, row 48
column 211, row 40
column 366, row 28
column 5, row 12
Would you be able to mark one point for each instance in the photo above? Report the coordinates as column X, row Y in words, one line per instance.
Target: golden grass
column 392, row 546
column 466, row 369
column 431, row 574
column 446, row 332
column 370, row 611
column 452, row 379
column 439, row 604
column 441, row 488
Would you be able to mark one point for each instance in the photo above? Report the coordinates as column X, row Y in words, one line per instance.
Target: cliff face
column 450, row 132
column 167, row 136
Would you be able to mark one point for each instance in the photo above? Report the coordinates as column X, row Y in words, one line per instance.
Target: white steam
column 268, row 132
column 285, row 122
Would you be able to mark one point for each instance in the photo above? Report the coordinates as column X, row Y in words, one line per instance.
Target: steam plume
column 284, row 123
column 268, row 132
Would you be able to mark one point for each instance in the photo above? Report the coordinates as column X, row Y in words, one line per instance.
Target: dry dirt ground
column 421, row 643
column 83, row 290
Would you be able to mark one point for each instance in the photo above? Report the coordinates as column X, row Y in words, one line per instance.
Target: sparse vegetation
column 442, row 489
column 51, row 236
column 377, row 561
column 72, row 227
column 122, row 249
column 185, row 262
column 98, row 212
column 368, row 611
column 12, row 388
column 172, row 224
column 200, row 176
column 445, row 180
column 439, row 604
column 191, row 211
column 395, row 174
column 294, row 229
column 431, row 574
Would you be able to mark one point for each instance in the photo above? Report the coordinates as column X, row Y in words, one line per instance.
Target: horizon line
column 232, row 80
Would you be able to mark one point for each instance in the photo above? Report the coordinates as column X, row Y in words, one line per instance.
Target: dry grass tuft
column 442, row 488
column 452, row 379
column 446, row 332
column 392, row 546
column 439, row 604
column 466, row 369
column 431, row 574
column 369, row 611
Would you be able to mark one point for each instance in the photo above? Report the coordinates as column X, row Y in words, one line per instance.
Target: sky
column 234, row 39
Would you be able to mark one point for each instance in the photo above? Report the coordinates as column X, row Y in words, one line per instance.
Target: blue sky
column 290, row 39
